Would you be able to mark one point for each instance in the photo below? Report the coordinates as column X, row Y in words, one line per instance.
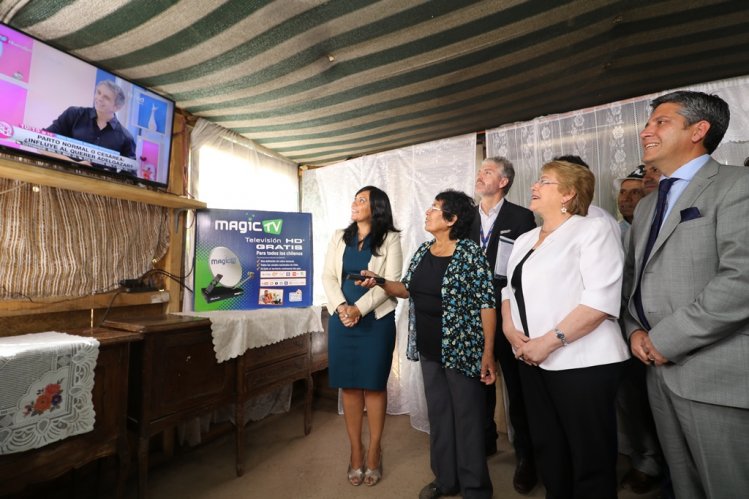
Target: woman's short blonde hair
column 573, row 179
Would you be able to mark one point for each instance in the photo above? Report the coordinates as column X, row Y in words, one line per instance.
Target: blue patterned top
column 466, row 289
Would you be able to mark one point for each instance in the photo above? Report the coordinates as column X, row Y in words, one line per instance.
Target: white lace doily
column 47, row 379
column 236, row 331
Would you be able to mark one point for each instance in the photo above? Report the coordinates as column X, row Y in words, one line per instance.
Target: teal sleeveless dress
column 360, row 356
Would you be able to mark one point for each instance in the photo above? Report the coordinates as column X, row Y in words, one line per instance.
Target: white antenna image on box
column 227, row 275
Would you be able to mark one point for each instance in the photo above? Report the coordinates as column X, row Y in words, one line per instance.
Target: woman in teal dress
column 361, row 332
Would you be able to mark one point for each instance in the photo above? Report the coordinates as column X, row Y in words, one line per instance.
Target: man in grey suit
column 687, row 318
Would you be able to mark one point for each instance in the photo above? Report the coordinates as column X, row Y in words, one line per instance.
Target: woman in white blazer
column 559, row 313
column 361, row 332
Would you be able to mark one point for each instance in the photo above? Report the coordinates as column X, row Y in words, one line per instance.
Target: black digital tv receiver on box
column 57, row 110
column 215, row 291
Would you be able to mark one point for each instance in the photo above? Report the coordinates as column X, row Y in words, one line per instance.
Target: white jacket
column 581, row 262
column 388, row 265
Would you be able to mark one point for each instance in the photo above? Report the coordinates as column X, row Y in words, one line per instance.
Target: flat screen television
column 56, row 107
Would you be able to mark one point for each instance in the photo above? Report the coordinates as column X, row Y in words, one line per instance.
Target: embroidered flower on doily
column 48, row 399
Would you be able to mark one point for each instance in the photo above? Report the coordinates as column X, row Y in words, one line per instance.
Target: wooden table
column 108, row 438
column 175, row 377
column 267, row 368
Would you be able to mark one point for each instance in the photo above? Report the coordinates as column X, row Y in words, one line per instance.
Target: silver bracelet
column 561, row 336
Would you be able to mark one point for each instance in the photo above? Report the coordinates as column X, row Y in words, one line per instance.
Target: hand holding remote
column 360, row 279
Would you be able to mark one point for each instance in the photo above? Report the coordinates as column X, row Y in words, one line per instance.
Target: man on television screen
column 98, row 125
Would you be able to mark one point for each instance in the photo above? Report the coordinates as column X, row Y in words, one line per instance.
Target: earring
column 564, row 209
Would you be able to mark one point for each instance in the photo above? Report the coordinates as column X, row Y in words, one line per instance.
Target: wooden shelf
column 79, row 183
column 64, row 304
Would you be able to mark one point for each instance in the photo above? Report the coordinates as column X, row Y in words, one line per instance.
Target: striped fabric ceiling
column 319, row 82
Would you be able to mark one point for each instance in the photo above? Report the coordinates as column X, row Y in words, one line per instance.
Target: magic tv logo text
column 245, row 226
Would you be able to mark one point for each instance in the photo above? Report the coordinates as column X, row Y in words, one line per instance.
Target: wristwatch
column 561, row 336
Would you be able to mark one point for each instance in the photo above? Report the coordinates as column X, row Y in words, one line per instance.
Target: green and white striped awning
column 320, row 81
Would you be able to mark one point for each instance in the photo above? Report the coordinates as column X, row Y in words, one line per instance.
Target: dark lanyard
column 485, row 240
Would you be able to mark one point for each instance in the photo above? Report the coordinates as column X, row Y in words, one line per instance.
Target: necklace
column 362, row 235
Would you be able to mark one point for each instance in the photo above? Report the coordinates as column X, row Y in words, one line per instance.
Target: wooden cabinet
column 108, row 438
column 263, row 369
column 174, row 377
column 270, row 366
column 184, row 375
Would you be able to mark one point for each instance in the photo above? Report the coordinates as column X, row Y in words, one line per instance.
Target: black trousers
column 572, row 418
column 516, row 405
column 637, row 436
column 456, row 433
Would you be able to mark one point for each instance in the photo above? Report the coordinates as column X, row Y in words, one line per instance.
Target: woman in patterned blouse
column 451, row 330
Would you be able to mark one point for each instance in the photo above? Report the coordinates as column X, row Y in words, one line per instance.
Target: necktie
column 655, row 227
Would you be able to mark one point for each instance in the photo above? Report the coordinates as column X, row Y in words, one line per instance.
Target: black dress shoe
column 525, row 476
column 433, row 491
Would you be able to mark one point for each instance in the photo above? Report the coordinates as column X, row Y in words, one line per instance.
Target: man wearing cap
column 636, row 428
column 629, row 191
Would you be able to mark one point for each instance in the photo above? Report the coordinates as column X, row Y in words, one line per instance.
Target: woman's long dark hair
column 382, row 219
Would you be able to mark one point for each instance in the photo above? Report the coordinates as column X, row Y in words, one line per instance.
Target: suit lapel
column 696, row 186
column 648, row 207
column 499, row 224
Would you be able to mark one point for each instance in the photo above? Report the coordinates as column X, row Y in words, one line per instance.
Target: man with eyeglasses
column 499, row 223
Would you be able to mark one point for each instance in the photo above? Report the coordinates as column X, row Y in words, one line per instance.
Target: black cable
column 177, row 278
column 106, row 312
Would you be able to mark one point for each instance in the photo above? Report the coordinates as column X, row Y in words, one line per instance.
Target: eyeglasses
column 437, row 208
column 544, row 181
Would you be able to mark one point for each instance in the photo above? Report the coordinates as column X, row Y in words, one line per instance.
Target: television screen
column 55, row 105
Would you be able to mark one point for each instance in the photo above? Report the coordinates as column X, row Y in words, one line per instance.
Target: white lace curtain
column 411, row 177
column 607, row 138
column 228, row 171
